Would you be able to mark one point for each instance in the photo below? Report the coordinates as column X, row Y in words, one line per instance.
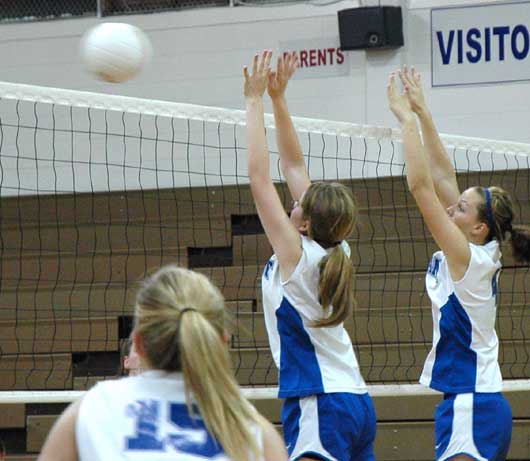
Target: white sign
column 480, row 44
column 319, row 57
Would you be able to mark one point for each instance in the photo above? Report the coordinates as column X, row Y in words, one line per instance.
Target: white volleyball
column 115, row 52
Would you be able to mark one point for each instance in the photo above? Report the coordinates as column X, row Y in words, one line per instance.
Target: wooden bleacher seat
column 70, row 278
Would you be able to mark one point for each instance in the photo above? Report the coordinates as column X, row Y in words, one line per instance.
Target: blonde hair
column 182, row 321
column 332, row 212
column 502, row 216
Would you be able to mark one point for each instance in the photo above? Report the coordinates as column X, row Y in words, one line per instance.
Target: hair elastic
column 176, row 340
column 489, row 211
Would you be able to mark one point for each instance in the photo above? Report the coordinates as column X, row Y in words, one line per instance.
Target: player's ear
column 138, row 343
column 304, row 226
column 481, row 229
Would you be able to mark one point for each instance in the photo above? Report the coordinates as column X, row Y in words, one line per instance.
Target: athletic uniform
column 474, row 418
column 327, row 411
column 144, row 417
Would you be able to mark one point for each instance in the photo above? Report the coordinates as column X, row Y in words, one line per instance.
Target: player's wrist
column 422, row 111
column 253, row 99
column 278, row 98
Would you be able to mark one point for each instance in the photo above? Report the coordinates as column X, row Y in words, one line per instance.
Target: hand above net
column 285, row 69
column 399, row 102
column 411, row 81
column 256, row 82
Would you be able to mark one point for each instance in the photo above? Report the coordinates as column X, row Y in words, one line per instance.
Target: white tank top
column 310, row 360
column 465, row 347
column 144, row 417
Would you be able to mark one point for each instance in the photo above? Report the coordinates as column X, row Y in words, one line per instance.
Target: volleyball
column 115, row 52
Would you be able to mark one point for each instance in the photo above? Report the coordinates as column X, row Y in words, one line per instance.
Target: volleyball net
column 98, row 190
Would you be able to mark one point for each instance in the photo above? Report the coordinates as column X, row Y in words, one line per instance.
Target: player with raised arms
column 307, row 286
column 474, row 420
column 185, row 404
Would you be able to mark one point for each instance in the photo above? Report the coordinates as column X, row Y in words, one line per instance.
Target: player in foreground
column 186, row 404
column 474, row 421
column 307, row 286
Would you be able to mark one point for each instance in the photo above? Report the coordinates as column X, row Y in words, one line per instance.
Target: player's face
column 464, row 213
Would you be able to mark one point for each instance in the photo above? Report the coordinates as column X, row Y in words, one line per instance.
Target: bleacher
column 70, row 264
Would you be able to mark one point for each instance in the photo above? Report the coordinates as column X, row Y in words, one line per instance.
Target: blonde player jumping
column 307, row 287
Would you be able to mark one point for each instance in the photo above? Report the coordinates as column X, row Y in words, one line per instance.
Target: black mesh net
column 93, row 199
column 31, row 10
column 38, row 10
column 118, row 7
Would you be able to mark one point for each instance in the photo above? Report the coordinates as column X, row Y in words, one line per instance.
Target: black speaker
column 371, row 27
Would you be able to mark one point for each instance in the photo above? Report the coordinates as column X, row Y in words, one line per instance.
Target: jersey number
column 188, row 435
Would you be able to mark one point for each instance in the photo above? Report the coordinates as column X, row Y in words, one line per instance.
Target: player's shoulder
column 116, row 386
column 488, row 254
column 315, row 252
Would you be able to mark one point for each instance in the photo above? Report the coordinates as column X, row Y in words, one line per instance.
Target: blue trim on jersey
column 300, row 373
column 494, row 284
column 455, row 366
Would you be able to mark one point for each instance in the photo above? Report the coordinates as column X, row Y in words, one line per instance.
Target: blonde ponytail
column 207, row 373
column 335, row 288
column 332, row 212
column 181, row 318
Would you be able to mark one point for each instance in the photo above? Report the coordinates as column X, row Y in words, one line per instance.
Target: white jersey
column 465, row 345
column 310, row 360
column 143, row 417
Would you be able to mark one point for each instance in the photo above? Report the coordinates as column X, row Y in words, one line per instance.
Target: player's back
column 142, row 417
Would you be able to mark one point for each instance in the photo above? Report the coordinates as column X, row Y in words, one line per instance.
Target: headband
column 489, row 211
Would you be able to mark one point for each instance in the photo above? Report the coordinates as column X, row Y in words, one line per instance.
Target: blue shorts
column 330, row 427
column 478, row 425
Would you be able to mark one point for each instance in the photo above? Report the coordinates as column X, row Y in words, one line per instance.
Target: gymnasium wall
column 199, row 54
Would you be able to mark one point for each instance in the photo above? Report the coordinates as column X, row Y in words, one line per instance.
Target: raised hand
column 398, row 101
column 286, row 67
column 411, row 81
column 256, row 82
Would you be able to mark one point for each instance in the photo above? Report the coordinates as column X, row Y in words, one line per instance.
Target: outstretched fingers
column 264, row 62
column 279, row 65
column 416, row 76
column 293, row 63
column 404, row 77
column 257, row 78
column 267, row 56
column 391, row 86
column 255, row 63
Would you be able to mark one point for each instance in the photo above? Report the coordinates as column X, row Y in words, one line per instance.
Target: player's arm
column 440, row 165
column 273, row 444
column 447, row 235
column 282, row 235
column 292, row 161
column 61, row 444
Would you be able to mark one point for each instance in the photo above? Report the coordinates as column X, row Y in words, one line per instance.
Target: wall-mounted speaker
column 371, row 27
